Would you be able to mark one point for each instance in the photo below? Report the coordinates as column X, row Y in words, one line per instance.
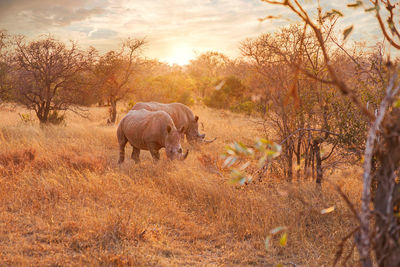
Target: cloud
column 201, row 25
column 102, row 34
column 41, row 14
column 60, row 16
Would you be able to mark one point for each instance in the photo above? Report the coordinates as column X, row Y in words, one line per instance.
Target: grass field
column 64, row 201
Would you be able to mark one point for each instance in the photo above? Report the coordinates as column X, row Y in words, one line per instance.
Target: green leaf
column 270, row 153
column 347, row 31
column 260, row 146
column 337, row 12
column 244, row 166
column 372, row 9
column 278, row 148
column 229, row 147
column 279, row 265
column 261, row 161
column 230, row 152
column 328, row 210
column 356, row 4
column 238, row 180
column 265, row 141
column 229, row 161
column 237, row 177
column 238, row 147
column 250, row 152
column 277, row 230
column 243, row 149
column 283, row 239
column 236, row 174
column 267, row 241
column 396, row 103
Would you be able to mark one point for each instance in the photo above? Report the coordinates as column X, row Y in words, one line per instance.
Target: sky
column 176, row 30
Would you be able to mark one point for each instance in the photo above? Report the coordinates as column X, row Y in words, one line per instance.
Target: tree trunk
column 387, row 238
column 312, row 162
column 318, row 161
column 387, row 197
column 308, row 154
column 290, row 169
column 306, row 166
column 113, row 110
column 298, row 157
column 42, row 114
column 289, row 172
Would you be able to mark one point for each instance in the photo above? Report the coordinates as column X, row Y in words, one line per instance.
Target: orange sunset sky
column 176, row 31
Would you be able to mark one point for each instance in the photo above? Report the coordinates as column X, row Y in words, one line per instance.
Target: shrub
column 246, row 107
column 230, row 94
column 186, row 98
column 25, row 117
column 129, row 105
column 55, row 118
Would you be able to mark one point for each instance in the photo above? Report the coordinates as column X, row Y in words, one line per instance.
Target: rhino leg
column 155, row 154
column 154, row 151
column 135, row 154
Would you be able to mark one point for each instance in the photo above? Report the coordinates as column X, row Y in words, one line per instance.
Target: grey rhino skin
column 149, row 130
column 181, row 114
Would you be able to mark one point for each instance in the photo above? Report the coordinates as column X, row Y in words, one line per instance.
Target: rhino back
column 180, row 113
column 142, row 127
column 184, row 114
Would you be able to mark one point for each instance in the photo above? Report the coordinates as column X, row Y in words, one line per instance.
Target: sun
column 180, row 55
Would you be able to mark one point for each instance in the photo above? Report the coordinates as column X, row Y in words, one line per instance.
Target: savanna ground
column 64, row 201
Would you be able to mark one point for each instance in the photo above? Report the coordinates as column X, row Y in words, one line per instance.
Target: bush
column 26, row 117
column 186, row 98
column 172, row 87
column 129, row 105
column 55, row 118
column 230, row 95
column 246, row 107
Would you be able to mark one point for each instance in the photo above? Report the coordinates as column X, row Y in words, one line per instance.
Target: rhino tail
column 121, row 136
column 122, row 140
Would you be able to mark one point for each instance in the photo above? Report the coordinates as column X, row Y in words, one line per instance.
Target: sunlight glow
column 180, row 54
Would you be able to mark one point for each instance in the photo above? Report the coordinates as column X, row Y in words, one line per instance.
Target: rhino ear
column 169, row 129
column 196, row 118
column 182, row 130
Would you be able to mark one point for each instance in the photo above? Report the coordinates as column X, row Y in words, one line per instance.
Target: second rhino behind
column 149, row 130
column 181, row 114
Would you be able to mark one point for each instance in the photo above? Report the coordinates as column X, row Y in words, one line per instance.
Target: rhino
column 149, row 130
column 182, row 116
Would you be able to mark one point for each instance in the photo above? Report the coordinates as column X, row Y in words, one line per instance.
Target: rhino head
column 192, row 133
column 173, row 146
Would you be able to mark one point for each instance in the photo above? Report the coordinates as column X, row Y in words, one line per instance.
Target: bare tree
column 47, row 75
column 114, row 72
column 303, row 122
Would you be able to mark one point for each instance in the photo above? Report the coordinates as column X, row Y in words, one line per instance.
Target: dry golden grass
column 65, row 201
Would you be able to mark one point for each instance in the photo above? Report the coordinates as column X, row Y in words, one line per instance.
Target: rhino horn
column 209, row 141
column 184, row 156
